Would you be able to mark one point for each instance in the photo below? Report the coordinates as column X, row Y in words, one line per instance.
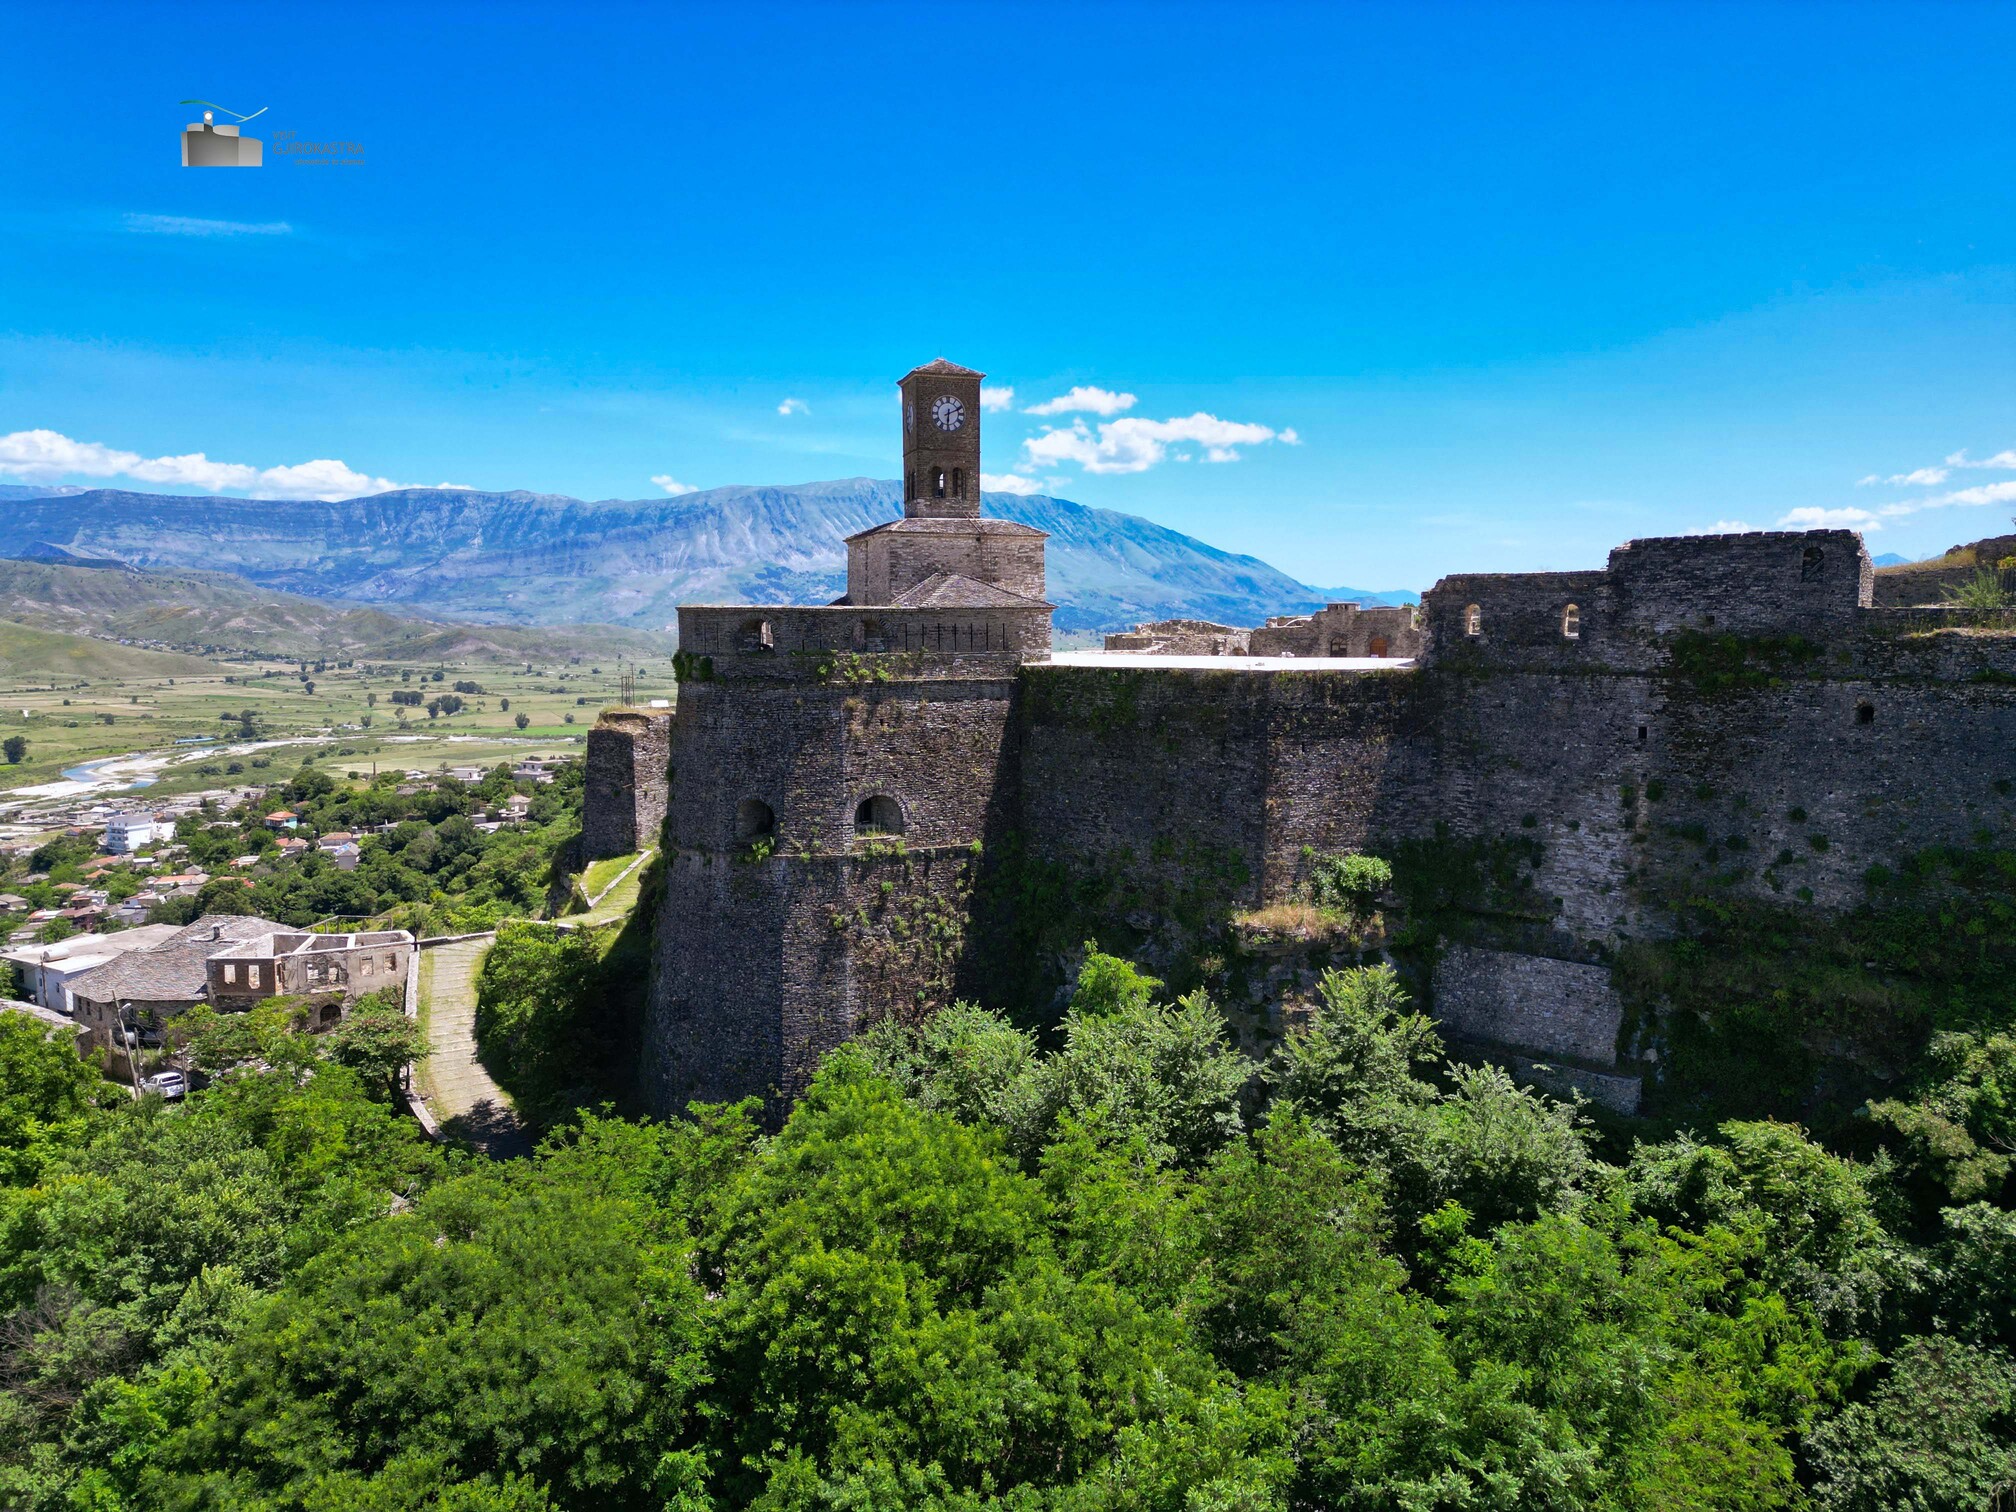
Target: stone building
column 235, row 961
column 1342, row 630
column 1181, row 637
column 874, row 806
column 818, row 752
column 333, row 970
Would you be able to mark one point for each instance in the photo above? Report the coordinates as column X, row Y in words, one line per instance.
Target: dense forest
column 1113, row 1264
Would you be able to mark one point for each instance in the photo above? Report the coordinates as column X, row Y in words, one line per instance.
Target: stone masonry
column 626, row 782
column 847, row 781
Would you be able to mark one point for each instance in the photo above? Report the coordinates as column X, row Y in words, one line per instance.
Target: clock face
column 948, row 412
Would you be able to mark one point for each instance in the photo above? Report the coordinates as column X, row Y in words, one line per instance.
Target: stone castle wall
column 626, row 782
column 1729, row 718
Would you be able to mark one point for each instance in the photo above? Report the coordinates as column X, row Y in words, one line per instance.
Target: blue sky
column 1396, row 291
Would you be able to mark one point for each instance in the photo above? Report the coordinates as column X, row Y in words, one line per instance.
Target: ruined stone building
column 871, row 807
column 233, row 961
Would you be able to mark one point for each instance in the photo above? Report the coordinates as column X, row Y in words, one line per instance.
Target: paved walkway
column 468, row 1103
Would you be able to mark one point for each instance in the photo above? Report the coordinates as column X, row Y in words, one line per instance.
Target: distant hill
column 218, row 612
column 31, row 655
column 545, row 559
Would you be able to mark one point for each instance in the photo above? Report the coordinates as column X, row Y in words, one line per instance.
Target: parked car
column 170, row 1084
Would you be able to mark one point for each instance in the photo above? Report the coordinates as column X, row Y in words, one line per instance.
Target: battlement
column 792, row 641
column 1814, row 583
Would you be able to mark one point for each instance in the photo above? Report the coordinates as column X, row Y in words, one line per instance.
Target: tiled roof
column 968, row 525
column 172, row 971
column 948, row 369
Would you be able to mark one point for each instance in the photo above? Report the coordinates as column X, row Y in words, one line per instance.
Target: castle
column 873, row 806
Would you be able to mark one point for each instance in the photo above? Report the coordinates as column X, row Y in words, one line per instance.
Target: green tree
column 537, row 1001
column 49, row 1095
column 15, row 748
column 378, row 1041
column 1939, row 1432
column 896, row 1329
column 531, row 1321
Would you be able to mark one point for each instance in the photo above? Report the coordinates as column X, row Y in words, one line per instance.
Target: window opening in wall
column 879, row 815
column 958, row 482
column 230, row 972
column 1571, row 623
column 754, row 820
column 252, row 976
column 937, row 482
column 755, row 635
column 1865, row 712
column 1473, row 621
column 1811, row 561
column 909, row 485
column 1641, row 734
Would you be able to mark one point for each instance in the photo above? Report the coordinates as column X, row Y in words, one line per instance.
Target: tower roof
column 941, row 366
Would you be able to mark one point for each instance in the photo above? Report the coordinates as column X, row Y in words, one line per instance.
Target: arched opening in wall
column 1571, row 623
column 879, row 815
column 754, row 820
column 1865, row 712
column 1812, row 561
column 331, row 1014
column 1473, row 621
column 937, row 482
column 1380, row 646
column 958, row 482
column 909, row 485
column 755, row 635
column 870, row 635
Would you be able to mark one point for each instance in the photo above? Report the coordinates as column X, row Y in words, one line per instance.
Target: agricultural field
column 122, row 702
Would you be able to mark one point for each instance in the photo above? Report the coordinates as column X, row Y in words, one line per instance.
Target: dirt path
column 468, row 1103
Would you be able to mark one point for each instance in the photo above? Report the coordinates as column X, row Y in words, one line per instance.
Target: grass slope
column 28, row 654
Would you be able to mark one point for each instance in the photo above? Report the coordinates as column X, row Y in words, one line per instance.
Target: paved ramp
column 469, row 1105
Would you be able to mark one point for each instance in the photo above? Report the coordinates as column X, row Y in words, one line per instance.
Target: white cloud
column 1134, row 445
column 44, row 456
column 1009, row 483
column 1924, row 477
column 2006, row 460
column 1092, row 401
column 996, row 398
column 1811, row 518
column 1723, row 527
column 1985, row 493
column 672, row 485
column 189, row 225
column 792, row 407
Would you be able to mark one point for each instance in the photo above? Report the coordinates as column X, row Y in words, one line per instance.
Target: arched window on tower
column 937, row 482
column 1571, row 623
column 1473, row 620
column 754, row 820
column 958, row 482
column 879, row 815
column 909, row 485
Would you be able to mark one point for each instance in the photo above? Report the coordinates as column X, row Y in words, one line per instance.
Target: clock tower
column 941, row 442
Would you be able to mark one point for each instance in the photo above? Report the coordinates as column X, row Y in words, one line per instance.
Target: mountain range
column 545, row 559
column 216, row 612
